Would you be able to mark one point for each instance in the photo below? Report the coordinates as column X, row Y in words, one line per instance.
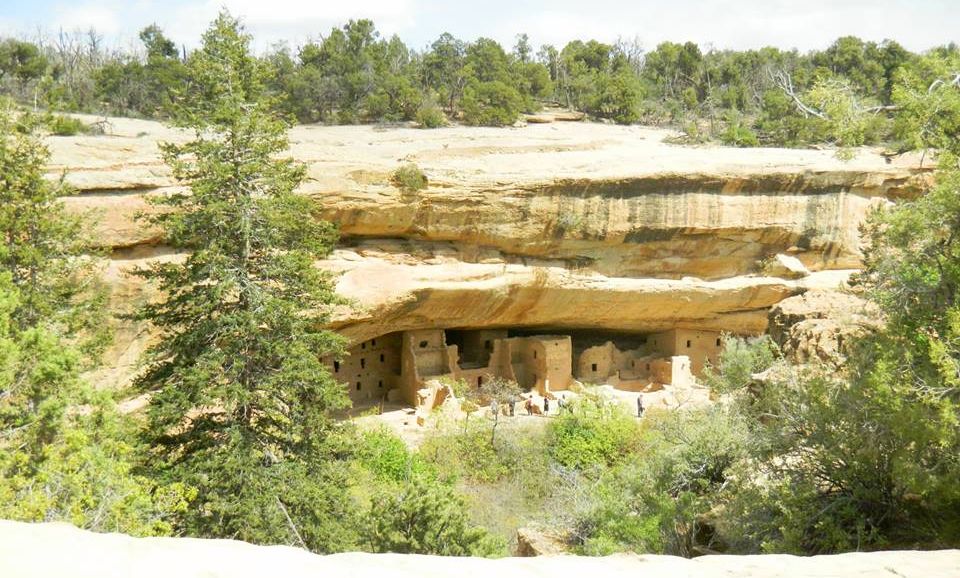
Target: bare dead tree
column 939, row 82
column 784, row 82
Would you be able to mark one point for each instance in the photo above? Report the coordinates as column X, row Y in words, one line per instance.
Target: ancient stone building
column 371, row 369
column 398, row 366
column 702, row 347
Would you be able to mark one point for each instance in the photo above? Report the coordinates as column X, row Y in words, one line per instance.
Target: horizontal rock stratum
column 60, row 550
column 553, row 226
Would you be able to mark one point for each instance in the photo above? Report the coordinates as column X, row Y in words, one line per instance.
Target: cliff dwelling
column 398, row 366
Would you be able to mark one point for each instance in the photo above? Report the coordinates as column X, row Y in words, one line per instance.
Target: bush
column 738, row 134
column 387, row 458
column 507, row 484
column 426, row 517
column 467, row 453
column 660, row 497
column 739, row 360
column 593, row 433
column 848, row 464
column 491, row 104
column 618, row 97
column 429, row 115
column 61, row 125
column 410, row 178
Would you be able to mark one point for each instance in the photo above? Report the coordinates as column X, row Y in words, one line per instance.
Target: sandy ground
column 60, row 550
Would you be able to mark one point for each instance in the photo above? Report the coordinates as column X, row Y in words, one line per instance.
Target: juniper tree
column 57, row 461
column 240, row 394
column 45, row 248
column 57, row 297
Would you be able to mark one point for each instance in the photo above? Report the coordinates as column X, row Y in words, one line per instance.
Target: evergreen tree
column 63, row 449
column 425, row 516
column 57, row 298
column 43, row 246
column 240, row 394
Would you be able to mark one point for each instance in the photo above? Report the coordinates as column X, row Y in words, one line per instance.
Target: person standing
column 640, row 406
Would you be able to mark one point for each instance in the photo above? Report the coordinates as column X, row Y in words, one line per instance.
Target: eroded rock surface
column 560, row 225
column 821, row 325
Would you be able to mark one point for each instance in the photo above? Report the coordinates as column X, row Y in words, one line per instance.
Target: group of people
column 528, row 405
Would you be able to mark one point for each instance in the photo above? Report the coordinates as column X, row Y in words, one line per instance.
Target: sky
column 737, row 24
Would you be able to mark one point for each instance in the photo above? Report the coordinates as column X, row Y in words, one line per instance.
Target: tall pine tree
column 240, row 395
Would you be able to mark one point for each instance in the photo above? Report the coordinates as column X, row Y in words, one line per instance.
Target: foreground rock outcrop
column 553, row 226
column 62, row 551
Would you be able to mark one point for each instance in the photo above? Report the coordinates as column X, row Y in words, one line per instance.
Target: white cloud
column 918, row 24
column 102, row 16
column 291, row 20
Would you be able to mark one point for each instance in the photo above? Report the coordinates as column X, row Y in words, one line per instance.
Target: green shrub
column 426, row 517
column 618, row 97
column 467, row 453
column 594, row 433
column 410, row 178
column 849, row 463
column 660, row 497
column 507, row 484
column 739, row 360
column 387, row 458
column 491, row 104
column 738, row 134
column 61, row 125
column 429, row 115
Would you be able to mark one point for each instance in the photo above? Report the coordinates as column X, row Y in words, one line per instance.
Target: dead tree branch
column 783, row 81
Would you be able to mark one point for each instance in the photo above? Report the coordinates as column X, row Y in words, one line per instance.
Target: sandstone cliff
column 46, row 550
column 549, row 226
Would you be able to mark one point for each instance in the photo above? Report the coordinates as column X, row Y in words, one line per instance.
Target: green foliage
column 61, row 125
column 137, row 88
column 592, row 432
column 240, row 393
column 739, row 360
column 387, row 458
column 354, row 74
column 21, row 60
column 658, row 498
column 493, row 103
column 410, row 178
column 429, row 115
column 507, row 484
column 847, row 121
column 847, row 466
column 618, row 97
column 867, row 458
column 82, row 470
column 467, row 453
column 736, row 134
column 413, row 510
column 426, row 517
column 928, row 97
column 351, row 75
column 45, row 249
column 64, row 451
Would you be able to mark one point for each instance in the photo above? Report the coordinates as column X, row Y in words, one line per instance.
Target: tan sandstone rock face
column 46, row 550
column 559, row 225
column 821, row 325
